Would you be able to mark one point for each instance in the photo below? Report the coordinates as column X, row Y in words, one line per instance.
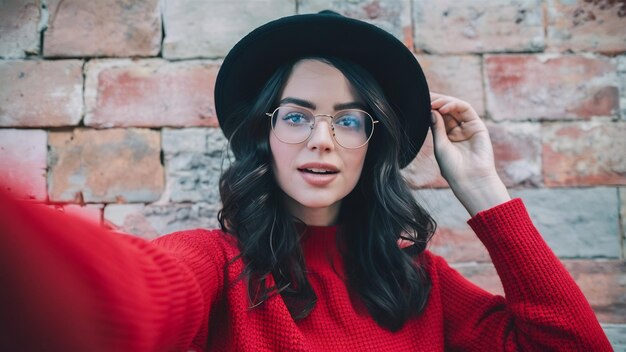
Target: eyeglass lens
column 351, row 128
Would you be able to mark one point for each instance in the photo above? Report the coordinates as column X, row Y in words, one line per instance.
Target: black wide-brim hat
column 252, row 61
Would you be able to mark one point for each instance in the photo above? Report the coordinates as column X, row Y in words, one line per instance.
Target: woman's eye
column 348, row 121
column 295, row 118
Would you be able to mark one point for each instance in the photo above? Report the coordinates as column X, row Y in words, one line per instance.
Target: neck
column 323, row 216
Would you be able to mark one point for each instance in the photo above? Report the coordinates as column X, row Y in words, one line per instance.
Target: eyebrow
column 310, row 105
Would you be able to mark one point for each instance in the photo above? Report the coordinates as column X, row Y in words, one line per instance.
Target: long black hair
column 389, row 280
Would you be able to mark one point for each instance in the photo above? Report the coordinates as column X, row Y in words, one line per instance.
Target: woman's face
column 318, row 173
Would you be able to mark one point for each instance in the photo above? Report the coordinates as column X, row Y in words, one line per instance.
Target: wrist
column 482, row 194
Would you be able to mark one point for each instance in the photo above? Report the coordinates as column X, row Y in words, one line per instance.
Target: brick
column 521, row 87
column 621, row 72
column 103, row 28
column 617, row 336
column 23, row 163
column 602, row 282
column 89, row 212
column 517, row 152
column 394, row 16
column 41, row 93
column 622, row 197
column 194, row 160
column 459, row 76
column 151, row 221
column 454, row 239
column 19, row 32
column 604, row 285
column 201, row 28
column 584, row 153
column 423, row 171
column 104, row 166
column 468, row 26
column 149, row 93
column 576, row 223
column 583, row 25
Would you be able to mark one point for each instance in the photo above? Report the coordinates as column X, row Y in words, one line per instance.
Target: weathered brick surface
column 517, row 151
column 41, row 93
column 151, row 221
column 617, row 336
column 454, row 239
column 394, row 16
column 19, row 32
column 622, row 197
column 200, row 28
column 194, row 160
column 458, row 76
column 583, row 25
column 89, row 212
column 23, row 163
column 105, row 166
column 576, row 223
column 520, row 87
column 423, row 171
column 621, row 72
column 469, row 26
column 584, row 153
column 602, row 282
column 150, row 93
column 103, row 28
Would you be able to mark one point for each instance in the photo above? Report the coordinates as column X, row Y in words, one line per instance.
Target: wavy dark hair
column 388, row 279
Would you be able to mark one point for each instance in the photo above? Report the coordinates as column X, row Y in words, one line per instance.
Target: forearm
column 69, row 285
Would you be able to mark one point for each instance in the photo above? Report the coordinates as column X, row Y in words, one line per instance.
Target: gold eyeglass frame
column 332, row 125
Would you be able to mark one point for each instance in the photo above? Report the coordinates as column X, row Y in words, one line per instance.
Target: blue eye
column 295, row 118
column 349, row 121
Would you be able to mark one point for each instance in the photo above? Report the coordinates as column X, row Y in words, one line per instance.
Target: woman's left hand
column 465, row 155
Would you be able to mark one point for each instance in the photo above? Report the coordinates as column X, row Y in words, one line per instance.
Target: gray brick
column 617, row 335
column 209, row 28
column 194, row 160
column 576, row 223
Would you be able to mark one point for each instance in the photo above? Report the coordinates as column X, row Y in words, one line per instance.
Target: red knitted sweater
column 76, row 287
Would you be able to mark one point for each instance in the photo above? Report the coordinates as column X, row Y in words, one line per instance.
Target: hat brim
column 259, row 54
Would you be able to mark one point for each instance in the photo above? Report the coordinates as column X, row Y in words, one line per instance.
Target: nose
column 321, row 136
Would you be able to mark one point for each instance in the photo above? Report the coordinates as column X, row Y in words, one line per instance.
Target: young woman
column 321, row 112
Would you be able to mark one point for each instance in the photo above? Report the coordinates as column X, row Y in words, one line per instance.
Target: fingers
column 454, row 108
column 439, row 129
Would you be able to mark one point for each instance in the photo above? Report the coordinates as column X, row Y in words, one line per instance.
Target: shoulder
column 209, row 244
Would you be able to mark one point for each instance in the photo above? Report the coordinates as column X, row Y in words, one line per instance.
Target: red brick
column 102, row 28
column 583, row 25
column 517, row 152
column 584, row 153
column 449, row 26
column 423, row 171
column 105, row 166
column 603, row 283
column 89, row 212
column 521, row 87
column 150, row 93
column 23, row 163
column 41, row 93
column 209, row 29
column 394, row 16
column 458, row 76
column 19, row 33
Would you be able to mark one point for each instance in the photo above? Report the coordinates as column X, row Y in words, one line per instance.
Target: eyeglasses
column 351, row 128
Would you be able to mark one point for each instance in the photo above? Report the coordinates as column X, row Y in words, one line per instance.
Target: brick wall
column 106, row 110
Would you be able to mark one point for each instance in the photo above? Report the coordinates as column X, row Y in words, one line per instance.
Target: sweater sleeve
column 543, row 310
column 69, row 285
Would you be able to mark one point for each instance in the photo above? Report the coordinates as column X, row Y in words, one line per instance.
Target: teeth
column 320, row 171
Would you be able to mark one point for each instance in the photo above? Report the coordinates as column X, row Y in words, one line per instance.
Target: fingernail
column 433, row 118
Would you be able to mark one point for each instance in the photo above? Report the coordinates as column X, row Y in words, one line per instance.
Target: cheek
column 280, row 157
